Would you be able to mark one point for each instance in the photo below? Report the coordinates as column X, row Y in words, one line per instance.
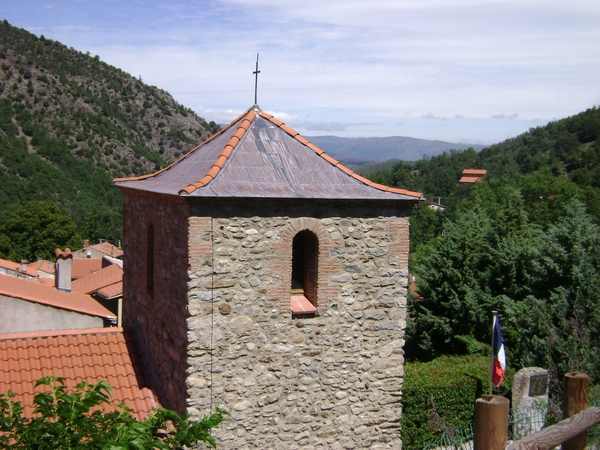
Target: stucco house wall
column 20, row 316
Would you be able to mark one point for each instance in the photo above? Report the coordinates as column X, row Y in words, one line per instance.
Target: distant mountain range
column 364, row 151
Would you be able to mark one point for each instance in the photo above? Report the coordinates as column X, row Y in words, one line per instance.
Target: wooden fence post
column 575, row 400
column 491, row 423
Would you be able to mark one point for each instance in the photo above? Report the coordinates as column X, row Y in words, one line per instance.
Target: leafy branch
column 65, row 418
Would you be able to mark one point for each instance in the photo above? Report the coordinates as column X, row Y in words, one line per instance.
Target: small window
column 150, row 259
column 305, row 256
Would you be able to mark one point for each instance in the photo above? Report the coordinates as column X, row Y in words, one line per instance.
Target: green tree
column 450, row 281
column 546, row 196
column 480, row 262
column 35, row 230
column 559, row 326
column 70, row 419
column 425, row 225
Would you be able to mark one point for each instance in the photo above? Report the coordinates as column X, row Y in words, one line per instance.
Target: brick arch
column 327, row 264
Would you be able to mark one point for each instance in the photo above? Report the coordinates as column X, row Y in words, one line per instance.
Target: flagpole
column 494, row 316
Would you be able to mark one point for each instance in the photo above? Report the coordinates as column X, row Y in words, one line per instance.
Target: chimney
column 86, row 243
column 23, row 266
column 64, row 263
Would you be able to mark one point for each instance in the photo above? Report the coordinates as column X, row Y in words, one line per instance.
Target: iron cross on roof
column 256, row 72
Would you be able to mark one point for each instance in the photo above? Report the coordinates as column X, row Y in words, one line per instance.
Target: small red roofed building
column 87, row 355
column 38, row 269
column 265, row 276
column 472, row 175
column 106, row 286
column 99, row 250
column 31, row 305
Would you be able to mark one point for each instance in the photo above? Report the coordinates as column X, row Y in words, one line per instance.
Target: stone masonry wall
column 330, row 381
column 156, row 321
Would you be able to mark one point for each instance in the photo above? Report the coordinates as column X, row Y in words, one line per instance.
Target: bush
column 442, row 393
column 72, row 420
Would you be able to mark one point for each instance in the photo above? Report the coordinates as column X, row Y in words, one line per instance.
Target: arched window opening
column 305, row 257
column 150, row 259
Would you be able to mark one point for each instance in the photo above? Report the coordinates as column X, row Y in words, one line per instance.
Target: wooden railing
column 571, row 429
column 491, row 421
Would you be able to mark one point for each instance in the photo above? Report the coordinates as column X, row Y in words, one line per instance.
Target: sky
column 471, row 71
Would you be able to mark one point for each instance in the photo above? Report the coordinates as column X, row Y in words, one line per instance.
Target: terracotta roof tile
column 90, row 355
column 63, row 254
column 303, row 140
column 34, row 291
column 84, row 266
column 108, row 249
column 151, row 175
column 103, row 278
column 112, row 291
column 330, row 160
column 30, row 269
column 472, row 175
column 476, row 172
column 12, row 265
column 314, row 148
column 43, row 266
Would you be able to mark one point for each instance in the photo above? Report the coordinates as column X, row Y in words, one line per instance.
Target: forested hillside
column 525, row 241
column 69, row 123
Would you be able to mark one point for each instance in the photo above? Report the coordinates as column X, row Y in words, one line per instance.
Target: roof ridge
column 56, row 333
column 246, row 120
column 36, row 292
column 334, row 162
column 150, row 175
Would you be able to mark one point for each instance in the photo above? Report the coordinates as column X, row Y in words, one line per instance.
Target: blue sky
column 475, row 71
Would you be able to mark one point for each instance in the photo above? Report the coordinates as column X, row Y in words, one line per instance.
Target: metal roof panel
column 268, row 160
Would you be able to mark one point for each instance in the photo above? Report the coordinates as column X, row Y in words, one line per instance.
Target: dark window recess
column 150, row 260
column 305, row 256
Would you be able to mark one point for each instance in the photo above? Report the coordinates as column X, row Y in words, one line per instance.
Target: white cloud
column 349, row 67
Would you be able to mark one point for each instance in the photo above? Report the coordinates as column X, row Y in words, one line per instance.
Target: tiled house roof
column 112, row 291
column 44, row 266
column 90, row 355
column 108, row 249
column 35, row 291
column 30, row 270
column 260, row 156
column 85, row 266
column 472, row 175
column 103, row 278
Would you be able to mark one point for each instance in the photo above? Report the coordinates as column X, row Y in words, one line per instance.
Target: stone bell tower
column 264, row 276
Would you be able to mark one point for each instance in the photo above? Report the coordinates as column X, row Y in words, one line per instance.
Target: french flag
column 499, row 365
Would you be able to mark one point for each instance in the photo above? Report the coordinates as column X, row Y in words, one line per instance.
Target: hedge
column 442, row 393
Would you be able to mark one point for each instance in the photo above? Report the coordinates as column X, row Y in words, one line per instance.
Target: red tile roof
column 108, row 249
column 90, row 355
column 39, row 292
column 11, row 265
column 259, row 156
column 85, row 266
column 43, row 266
column 103, row 278
column 30, row 269
column 472, row 175
column 112, row 291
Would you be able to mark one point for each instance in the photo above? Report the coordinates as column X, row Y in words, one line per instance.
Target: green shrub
column 442, row 393
column 70, row 419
